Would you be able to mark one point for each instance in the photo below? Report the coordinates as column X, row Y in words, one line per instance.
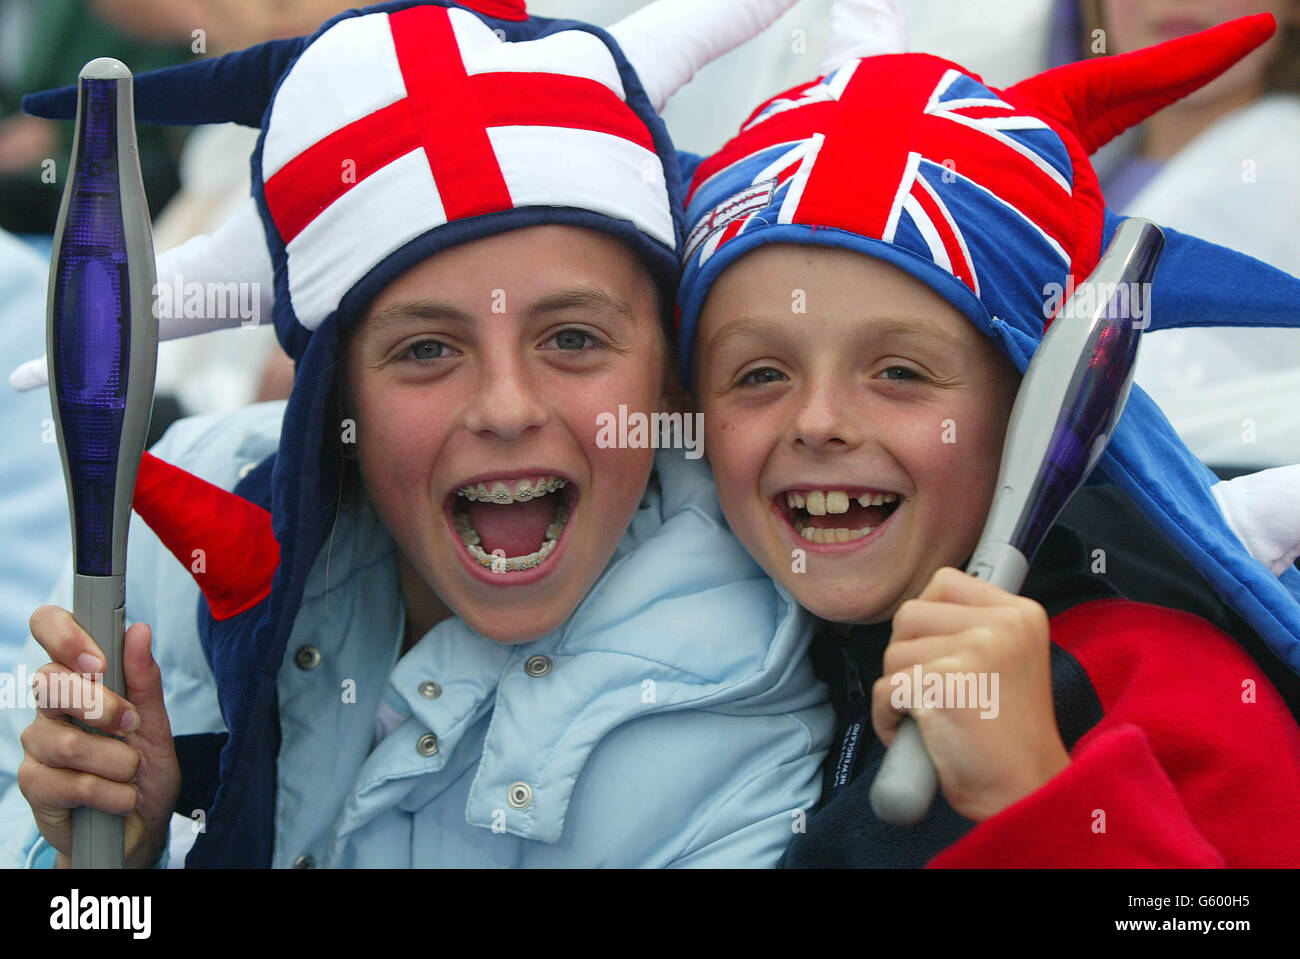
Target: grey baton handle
column 906, row 781
column 98, row 606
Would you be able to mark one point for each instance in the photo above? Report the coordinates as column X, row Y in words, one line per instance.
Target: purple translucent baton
column 102, row 340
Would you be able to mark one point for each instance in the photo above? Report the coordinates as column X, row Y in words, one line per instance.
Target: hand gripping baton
column 102, row 341
column 1065, row 412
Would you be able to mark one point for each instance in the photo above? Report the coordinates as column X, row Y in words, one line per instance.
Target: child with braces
column 472, row 217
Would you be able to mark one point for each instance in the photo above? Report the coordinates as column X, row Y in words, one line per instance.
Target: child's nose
column 822, row 422
column 506, row 402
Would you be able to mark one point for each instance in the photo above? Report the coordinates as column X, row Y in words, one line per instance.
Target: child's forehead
column 795, row 289
column 857, row 327
column 538, row 267
column 442, row 305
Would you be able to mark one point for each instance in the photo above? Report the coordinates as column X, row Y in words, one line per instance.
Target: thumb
column 144, row 683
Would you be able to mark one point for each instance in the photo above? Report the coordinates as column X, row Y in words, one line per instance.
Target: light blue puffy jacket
column 679, row 722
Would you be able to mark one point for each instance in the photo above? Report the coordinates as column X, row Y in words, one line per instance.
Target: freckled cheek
column 738, row 445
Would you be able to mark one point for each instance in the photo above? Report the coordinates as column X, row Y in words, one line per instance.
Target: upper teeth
column 518, row 491
column 821, row 502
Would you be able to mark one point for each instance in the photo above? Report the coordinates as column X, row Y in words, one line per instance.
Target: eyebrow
column 398, row 314
column 588, row 298
column 920, row 331
column 581, row 298
column 894, row 328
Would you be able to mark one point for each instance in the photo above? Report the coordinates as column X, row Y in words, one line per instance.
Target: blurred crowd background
column 1223, row 164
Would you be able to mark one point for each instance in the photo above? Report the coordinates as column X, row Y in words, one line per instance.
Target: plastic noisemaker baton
column 102, row 339
column 1065, row 412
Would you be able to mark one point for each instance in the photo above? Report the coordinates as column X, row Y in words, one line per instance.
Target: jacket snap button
column 304, row 862
column 520, row 795
column 537, row 666
column 307, row 657
column 427, row 745
column 430, row 689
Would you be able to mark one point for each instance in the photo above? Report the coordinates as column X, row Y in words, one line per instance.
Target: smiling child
column 865, row 281
column 490, row 640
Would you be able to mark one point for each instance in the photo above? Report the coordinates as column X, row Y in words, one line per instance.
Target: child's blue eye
column 760, row 375
column 574, row 341
column 427, row 350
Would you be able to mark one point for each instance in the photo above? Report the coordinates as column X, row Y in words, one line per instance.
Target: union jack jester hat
column 988, row 197
column 393, row 132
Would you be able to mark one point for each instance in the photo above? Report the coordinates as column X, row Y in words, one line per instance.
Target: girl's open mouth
column 512, row 525
column 828, row 516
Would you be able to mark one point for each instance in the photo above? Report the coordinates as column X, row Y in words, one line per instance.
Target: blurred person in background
column 232, row 368
column 1224, row 164
column 35, row 538
column 45, row 43
column 222, row 371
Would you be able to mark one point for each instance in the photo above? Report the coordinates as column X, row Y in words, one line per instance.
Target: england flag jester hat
column 988, row 197
column 393, row 132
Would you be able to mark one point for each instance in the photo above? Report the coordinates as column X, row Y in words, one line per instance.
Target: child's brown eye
column 764, row 374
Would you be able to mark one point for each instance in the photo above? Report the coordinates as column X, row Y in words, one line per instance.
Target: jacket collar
column 682, row 618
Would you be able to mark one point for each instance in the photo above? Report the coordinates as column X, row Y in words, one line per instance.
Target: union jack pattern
column 829, row 88
column 779, row 182
column 943, row 149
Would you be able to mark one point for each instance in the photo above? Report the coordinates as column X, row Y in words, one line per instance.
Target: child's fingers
column 956, row 650
column 1008, row 611
column 63, row 693
column 951, row 585
column 61, row 745
column 144, row 684
column 884, row 717
column 950, row 653
column 50, row 790
column 65, row 641
column 920, row 617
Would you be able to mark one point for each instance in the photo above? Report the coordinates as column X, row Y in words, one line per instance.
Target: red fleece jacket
column 1196, row 762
